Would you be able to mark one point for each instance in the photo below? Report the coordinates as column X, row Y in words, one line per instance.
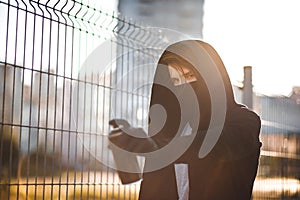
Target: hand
column 130, row 138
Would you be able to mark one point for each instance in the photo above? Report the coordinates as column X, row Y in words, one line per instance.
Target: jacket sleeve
column 240, row 135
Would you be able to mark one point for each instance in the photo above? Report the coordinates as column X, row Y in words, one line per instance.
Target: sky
column 264, row 34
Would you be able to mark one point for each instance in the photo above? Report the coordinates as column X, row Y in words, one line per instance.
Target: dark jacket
column 229, row 169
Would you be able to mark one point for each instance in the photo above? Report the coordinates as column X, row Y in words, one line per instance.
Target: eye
column 189, row 75
column 175, row 81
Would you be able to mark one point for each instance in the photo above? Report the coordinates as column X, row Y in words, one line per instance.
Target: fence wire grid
column 55, row 109
column 55, row 103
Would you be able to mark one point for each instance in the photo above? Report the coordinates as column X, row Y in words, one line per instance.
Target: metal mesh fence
column 278, row 174
column 58, row 94
column 55, row 105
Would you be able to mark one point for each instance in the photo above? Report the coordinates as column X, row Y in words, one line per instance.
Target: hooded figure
column 221, row 165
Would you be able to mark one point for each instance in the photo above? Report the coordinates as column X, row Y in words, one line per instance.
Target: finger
column 117, row 122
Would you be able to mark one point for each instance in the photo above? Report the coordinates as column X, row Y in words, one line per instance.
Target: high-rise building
column 185, row 16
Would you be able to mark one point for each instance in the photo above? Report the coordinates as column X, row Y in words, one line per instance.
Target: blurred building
column 36, row 118
column 185, row 16
column 280, row 131
column 295, row 95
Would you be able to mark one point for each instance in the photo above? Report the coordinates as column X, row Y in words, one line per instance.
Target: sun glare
column 263, row 34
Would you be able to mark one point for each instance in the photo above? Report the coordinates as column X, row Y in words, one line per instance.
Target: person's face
column 181, row 75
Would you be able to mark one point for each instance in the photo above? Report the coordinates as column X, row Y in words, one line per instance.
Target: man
column 228, row 169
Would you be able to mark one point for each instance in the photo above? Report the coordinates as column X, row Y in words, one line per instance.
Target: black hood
column 214, row 96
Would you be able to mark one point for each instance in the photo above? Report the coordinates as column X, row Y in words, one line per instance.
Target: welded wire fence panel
column 58, row 94
column 279, row 170
column 66, row 69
